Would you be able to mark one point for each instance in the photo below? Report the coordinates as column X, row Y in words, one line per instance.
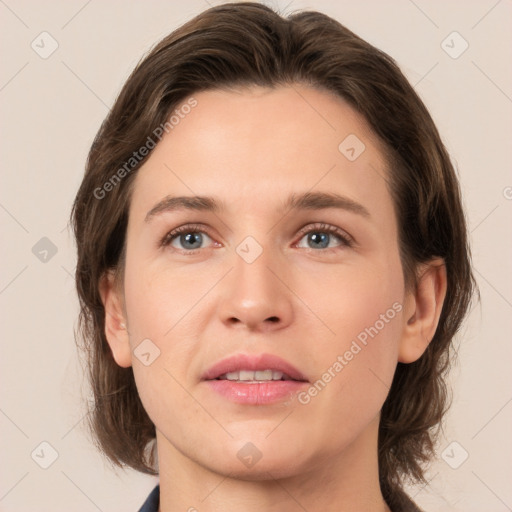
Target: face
column 295, row 274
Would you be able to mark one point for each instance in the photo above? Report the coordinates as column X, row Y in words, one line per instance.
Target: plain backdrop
column 51, row 107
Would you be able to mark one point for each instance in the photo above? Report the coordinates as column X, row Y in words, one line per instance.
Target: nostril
column 273, row 319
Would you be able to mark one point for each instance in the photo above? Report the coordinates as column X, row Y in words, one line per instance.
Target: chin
column 261, row 471
column 254, row 458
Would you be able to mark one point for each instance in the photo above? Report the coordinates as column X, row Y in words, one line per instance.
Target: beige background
column 51, row 109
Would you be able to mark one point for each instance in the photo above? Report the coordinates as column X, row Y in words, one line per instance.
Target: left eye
column 322, row 239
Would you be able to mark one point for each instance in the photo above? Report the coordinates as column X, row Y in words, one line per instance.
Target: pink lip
column 254, row 363
column 255, row 393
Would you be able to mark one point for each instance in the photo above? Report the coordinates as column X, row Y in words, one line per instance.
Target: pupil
column 320, row 239
column 190, row 238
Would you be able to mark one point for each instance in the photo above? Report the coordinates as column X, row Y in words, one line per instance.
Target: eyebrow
column 305, row 201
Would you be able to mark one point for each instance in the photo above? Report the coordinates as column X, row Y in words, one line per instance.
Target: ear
column 116, row 331
column 422, row 311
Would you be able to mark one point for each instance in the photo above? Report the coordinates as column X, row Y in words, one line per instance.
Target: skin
column 251, row 148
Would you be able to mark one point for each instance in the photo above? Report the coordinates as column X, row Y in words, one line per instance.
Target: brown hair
column 249, row 44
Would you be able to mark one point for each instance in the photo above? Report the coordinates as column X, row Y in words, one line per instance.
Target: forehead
column 252, row 145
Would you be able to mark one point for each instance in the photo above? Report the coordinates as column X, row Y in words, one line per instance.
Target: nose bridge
column 252, row 267
column 254, row 295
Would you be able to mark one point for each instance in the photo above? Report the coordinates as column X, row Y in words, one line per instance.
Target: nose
column 256, row 295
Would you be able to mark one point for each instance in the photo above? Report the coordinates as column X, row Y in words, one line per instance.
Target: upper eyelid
column 171, row 235
column 327, row 227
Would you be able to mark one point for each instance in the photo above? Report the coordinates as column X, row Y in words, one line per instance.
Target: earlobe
column 422, row 311
column 115, row 323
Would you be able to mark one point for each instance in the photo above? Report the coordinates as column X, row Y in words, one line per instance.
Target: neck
column 339, row 482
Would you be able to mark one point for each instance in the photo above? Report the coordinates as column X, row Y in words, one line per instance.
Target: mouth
column 255, row 379
column 250, row 376
column 253, row 368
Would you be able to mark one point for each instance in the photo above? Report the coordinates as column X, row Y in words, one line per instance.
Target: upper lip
column 253, row 362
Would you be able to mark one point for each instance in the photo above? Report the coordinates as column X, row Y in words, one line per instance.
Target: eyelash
column 345, row 239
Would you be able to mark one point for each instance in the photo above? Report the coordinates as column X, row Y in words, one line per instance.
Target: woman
column 272, row 264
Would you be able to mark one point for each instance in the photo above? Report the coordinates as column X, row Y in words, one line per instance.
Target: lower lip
column 256, row 393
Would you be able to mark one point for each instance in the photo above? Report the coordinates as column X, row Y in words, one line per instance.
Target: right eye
column 185, row 238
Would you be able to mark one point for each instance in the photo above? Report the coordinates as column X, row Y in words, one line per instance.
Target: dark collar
column 152, row 501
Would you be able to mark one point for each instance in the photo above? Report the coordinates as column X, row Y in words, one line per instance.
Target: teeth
column 260, row 375
column 246, row 375
column 263, row 375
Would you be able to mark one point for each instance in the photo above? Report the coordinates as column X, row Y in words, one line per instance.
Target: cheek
column 353, row 300
column 362, row 308
column 165, row 321
column 158, row 298
column 356, row 362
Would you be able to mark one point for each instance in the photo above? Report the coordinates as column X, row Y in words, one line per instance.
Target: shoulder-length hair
column 250, row 44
